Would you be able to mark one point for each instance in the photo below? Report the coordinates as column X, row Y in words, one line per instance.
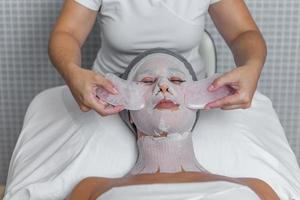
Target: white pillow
column 59, row 145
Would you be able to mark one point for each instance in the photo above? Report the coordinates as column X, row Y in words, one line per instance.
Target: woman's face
column 163, row 77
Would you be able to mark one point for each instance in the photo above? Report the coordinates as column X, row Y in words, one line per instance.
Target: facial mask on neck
column 131, row 93
column 170, row 154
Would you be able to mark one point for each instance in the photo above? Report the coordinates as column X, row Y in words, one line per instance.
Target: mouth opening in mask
column 167, row 104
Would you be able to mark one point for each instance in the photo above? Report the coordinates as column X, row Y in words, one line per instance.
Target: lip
column 166, row 104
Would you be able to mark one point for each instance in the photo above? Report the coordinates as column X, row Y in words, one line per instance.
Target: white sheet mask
column 160, row 71
column 130, row 93
column 197, row 96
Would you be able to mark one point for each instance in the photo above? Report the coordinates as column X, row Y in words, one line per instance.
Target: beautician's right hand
column 83, row 84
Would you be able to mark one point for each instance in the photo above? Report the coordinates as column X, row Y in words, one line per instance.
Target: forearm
column 249, row 48
column 64, row 52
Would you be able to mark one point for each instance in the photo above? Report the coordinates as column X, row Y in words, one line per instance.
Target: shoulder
column 85, row 188
column 263, row 189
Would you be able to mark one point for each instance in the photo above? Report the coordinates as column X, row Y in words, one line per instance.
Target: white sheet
column 59, row 145
column 217, row 190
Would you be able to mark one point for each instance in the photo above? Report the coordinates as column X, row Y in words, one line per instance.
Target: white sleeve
column 214, row 1
column 91, row 4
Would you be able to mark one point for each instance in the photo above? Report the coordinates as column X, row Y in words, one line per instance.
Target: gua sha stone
column 130, row 93
column 197, row 96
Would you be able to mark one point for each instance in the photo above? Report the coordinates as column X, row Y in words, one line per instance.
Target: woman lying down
column 162, row 94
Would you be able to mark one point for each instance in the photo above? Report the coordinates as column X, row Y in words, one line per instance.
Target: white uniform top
column 129, row 27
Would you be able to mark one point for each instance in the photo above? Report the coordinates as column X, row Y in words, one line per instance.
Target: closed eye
column 176, row 80
column 148, row 80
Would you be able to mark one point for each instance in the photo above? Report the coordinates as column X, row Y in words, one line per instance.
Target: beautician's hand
column 83, row 84
column 243, row 80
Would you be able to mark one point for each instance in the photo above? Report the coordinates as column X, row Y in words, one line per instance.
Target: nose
column 164, row 88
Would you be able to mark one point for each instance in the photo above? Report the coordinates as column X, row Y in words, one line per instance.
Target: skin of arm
column 234, row 22
column 68, row 35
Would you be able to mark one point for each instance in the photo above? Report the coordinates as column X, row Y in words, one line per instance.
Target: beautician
column 129, row 27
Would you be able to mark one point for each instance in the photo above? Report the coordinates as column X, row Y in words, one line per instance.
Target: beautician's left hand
column 243, row 80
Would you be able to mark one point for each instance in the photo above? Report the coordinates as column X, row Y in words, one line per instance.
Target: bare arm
column 236, row 25
column 234, row 22
column 69, row 34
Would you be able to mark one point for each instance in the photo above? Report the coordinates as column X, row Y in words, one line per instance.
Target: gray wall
column 279, row 21
column 25, row 69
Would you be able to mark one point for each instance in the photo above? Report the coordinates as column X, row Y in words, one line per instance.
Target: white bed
column 60, row 145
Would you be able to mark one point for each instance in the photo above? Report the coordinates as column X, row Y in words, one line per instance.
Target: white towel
column 215, row 190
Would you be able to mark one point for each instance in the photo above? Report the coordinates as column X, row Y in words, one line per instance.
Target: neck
column 170, row 154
